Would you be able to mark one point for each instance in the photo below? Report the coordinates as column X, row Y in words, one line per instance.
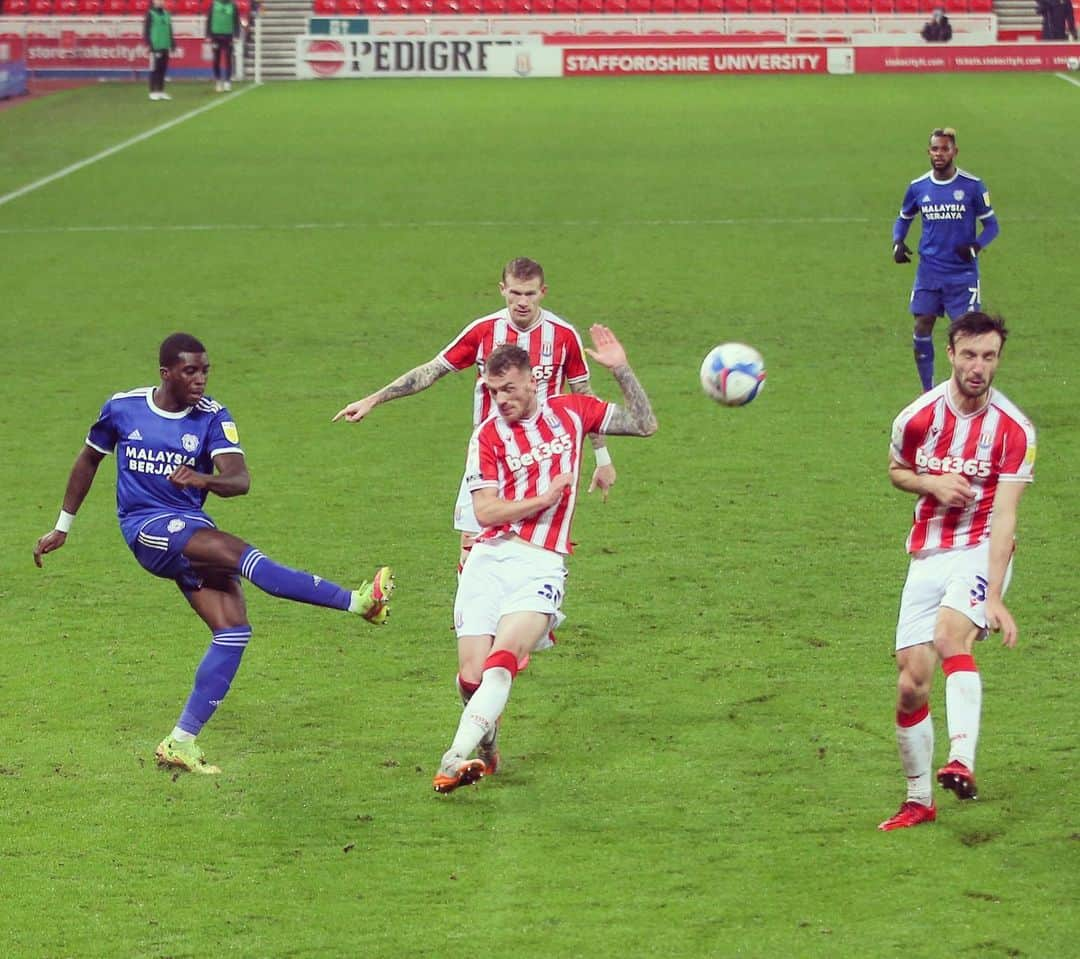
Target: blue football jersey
column 950, row 212
column 150, row 443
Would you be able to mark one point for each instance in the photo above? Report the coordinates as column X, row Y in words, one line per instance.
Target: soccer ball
column 733, row 374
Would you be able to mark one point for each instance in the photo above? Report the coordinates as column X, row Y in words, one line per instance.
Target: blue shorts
column 940, row 294
column 159, row 546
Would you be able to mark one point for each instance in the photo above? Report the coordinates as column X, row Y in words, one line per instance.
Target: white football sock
column 482, row 711
column 963, row 707
column 916, row 745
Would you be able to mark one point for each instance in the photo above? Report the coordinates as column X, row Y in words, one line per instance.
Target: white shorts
column 464, row 517
column 504, row 576
column 954, row 578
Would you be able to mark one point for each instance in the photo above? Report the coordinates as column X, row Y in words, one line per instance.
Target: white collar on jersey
column 154, row 408
column 509, row 319
column 937, row 182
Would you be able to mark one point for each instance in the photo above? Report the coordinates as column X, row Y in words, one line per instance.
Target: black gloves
column 968, row 251
column 901, row 253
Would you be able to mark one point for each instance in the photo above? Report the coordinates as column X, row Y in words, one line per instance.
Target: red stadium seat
column 688, row 6
column 66, row 7
column 882, row 6
column 736, row 6
column 663, row 6
column 518, row 7
column 786, row 7
column 761, row 6
column 353, row 8
column 811, row 6
column 853, row 6
column 615, row 6
column 89, row 8
column 981, row 6
column 543, row 8
column 712, row 6
column 568, row 7
column 17, row 8
column 138, row 6
column 639, row 6
column 325, row 7
column 907, row 6
column 591, row 8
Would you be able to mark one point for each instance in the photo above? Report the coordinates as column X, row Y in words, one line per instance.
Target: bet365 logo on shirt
column 540, row 452
column 951, row 464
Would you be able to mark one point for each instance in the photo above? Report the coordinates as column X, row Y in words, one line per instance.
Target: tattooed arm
column 636, row 418
column 417, row 379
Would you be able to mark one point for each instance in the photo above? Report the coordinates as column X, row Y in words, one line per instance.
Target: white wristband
column 603, row 457
column 64, row 521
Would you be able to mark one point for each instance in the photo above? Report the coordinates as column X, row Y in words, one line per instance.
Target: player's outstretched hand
column 355, row 412
column 901, row 253
column 53, row 539
column 603, row 479
column 999, row 619
column 968, row 252
column 608, row 351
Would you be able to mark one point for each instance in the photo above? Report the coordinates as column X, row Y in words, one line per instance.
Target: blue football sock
column 214, row 677
column 924, row 359
column 292, row 583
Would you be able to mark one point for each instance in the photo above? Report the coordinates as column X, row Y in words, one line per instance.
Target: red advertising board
column 72, row 52
column 955, row 59
column 684, row 60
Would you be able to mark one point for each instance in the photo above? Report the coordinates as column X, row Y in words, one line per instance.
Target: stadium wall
column 373, row 57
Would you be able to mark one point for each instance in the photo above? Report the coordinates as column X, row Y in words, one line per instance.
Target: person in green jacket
column 222, row 29
column 158, row 34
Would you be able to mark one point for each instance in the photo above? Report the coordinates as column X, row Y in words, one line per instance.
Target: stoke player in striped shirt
column 968, row 453
column 522, row 471
column 555, row 352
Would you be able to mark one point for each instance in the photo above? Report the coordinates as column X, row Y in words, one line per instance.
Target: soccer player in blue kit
column 951, row 202
column 173, row 446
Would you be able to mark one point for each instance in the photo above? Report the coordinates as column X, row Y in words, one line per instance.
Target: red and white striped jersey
column 995, row 444
column 521, row 459
column 553, row 345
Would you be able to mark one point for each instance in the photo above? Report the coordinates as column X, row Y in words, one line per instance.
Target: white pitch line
column 1067, row 79
column 421, row 224
column 75, row 167
column 468, row 224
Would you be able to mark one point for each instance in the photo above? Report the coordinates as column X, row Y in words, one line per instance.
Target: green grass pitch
column 698, row 769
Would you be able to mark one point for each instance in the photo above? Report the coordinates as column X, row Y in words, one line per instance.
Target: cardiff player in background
column 173, row 446
column 952, row 203
column 522, row 472
column 968, row 454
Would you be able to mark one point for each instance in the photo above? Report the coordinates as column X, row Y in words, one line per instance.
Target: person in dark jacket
column 1058, row 19
column 158, row 34
column 937, row 29
column 222, row 29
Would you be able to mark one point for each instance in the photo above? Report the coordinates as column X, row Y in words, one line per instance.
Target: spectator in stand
column 937, row 29
column 158, row 34
column 1058, row 19
column 222, row 29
